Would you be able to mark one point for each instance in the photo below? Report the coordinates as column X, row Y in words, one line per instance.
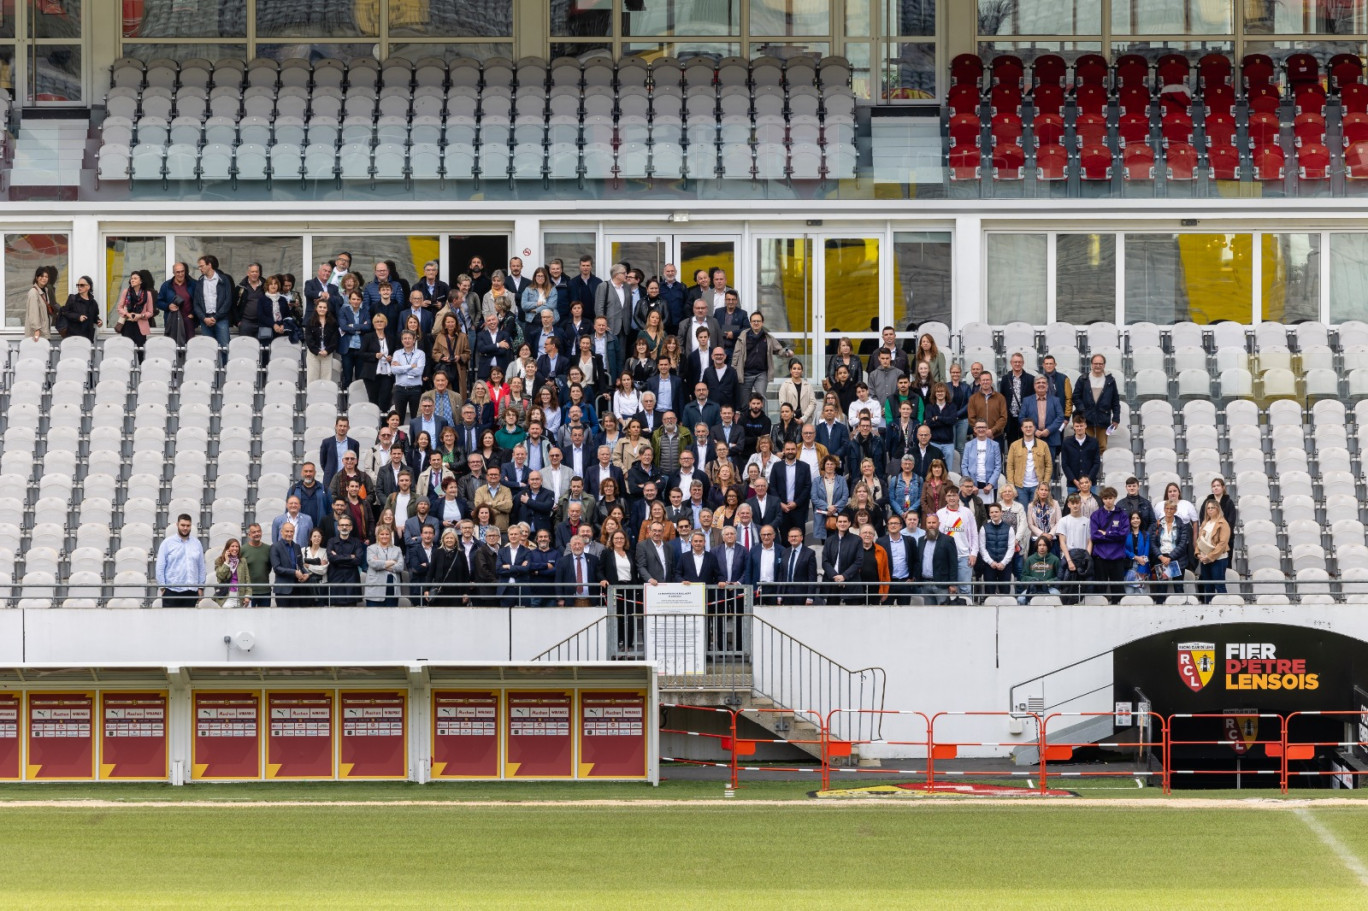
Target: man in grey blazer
column 613, row 300
column 654, row 558
column 688, row 329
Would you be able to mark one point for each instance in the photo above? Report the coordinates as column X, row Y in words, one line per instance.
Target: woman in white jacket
column 384, row 563
column 799, row 393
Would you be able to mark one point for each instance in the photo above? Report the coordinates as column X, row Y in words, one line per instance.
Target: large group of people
column 547, row 435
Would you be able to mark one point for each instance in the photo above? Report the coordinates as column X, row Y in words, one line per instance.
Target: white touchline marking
column 1346, row 857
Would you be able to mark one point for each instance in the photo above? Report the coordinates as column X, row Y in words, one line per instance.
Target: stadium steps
column 1089, row 730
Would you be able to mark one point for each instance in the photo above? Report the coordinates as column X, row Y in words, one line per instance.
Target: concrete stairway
column 49, row 152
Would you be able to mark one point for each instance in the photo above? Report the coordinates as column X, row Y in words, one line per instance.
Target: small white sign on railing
column 676, row 628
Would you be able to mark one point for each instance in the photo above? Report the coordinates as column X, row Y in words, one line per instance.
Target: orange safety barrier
column 746, row 746
column 1242, row 736
column 949, row 749
column 1301, row 750
column 1062, row 750
column 837, row 748
column 726, row 741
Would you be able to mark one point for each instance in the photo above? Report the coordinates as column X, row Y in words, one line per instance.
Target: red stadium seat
column 1052, row 163
column 1006, row 69
column 1302, row 69
column 1173, row 69
column 965, row 130
column 1131, row 71
column 1090, row 129
column 1177, row 128
column 1095, row 163
column 1181, row 161
column 1134, row 99
column 1264, row 99
column 1049, row 69
column 1008, row 162
column 1354, row 129
column 1219, row 99
column 1224, row 163
column 1257, row 69
column 1133, row 129
column 1263, row 129
column 1356, row 161
column 1091, row 99
column 1175, row 98
column 1309, row 99
column 1313, row 162
column 1308, row 129
column 963, row 99
column 1137, row 163
column 1354, row 98
column 965, row 163
column 1048, row 99
column 1048, row 130
column 966, row 69
column 1344, row 69
column 1269, row 162
column 1213, row 70
column 1006, row 129
column 1004, row 99
column 1219, row 130
column 1091, row 69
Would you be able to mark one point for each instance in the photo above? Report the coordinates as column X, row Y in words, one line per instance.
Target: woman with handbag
column 38, row 309
column 231, row 570
column 135, row 309
column 1138, row 572
column 375, row 363
column 829, row 497
column 81, row 313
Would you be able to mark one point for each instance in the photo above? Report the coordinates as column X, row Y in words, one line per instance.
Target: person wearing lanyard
column 407, row 366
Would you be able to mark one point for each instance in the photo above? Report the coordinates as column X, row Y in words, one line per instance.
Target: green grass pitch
column 751, row 852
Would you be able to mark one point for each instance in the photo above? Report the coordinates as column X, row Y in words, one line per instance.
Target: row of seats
column 1297, row 69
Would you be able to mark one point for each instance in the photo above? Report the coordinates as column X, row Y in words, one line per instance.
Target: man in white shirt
column 764, row 567
column 556, row 476
column 293, row 515
column 407, row 366
column 810, row 451
column 180, row 567
column 957, row 523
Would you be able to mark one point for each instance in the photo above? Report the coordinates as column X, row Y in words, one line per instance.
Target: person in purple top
column 1109, row 527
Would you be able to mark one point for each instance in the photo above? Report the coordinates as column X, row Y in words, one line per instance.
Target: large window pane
column 1291, row 277
column 790, row 17
column 318, row 19
column 581, row 18
column 1016, row 278
column 910, row 71
column 851, row 288
column 452, row 19
column 908, row 18
column 1085, row 278
column 126, row 255
column 24, row 253
column 682, row 50
column 1309, row 17
column 1029, row 50
column 569, row 246
column 235, row 254
column 682, row 17
column 1173, row 17
column 921, row 277
column 648, row 255
column 184, row 51
column 707, row 253
column 186, row 19
column 475, row 50
column 407, row 253
column 785, row 283
column 58, row 72
column 1040, row 17
column 1200, row 277
column 317, row 51
column 55, row 20
column 1348, row 277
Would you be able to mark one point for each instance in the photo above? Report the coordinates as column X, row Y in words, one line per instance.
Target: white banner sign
column 676, row 628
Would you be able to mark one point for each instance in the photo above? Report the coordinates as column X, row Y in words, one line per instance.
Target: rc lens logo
column 1248, row 666
column 1196, row 663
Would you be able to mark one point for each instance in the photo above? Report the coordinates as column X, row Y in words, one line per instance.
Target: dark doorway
column 492, row 248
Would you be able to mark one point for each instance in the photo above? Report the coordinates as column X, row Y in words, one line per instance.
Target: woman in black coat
column 617, row 568
column 448, row 576
column 374, row 363
column 80, row 315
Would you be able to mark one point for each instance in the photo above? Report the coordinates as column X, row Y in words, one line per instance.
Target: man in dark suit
column 287, row 562
column 331, row 450
column 418, row 309
column 832, row 431
column 702, row 410
column 553, row 365
column 511, row 569
column 701, row 318
column 514, row 473
column 724, row 386
column 730, row 431
column 842, row 556
column 800, row 570
column 941, row 569
column 897, row 357
column 319, row 286
column 732, row 560
column 544, row 330
column 582, row 288
column 655, row 563
column 535, row 504
column 648, row 415
column 667, row 388
column 577, row 575
column 791, row 481
column 765, row 567
column 418, row 556
column 515, row 281
column 574, row 518
column 1079, row 454
column 764, row 505
column 1018, row 388
column 427, row 419
column 603, row 468
column 697, row 564
column 433, row 289
column 213, row 315
column 694, row 363
column 902, row 554
column 493, row 347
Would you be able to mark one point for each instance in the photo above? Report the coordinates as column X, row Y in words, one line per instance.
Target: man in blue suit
column 697, row 564
column 316, row 287
column 511, row 567
column 577, row 576
column 791, row 482
column 702, row 410
column 667, row 388
column 800, row 570
column 417, row 307
column 733, row 562
column 493, row 347
column 534, row 504
column 832, row 431
column 1048, row 415
column 331, row 450
column 982, row 461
